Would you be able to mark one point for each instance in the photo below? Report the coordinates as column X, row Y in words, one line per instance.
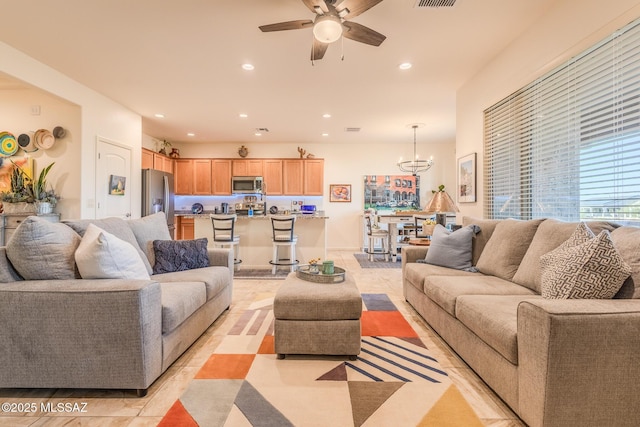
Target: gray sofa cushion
column 451, row 249
column 444, row 290
column 40, row 249
column 179, row 301
column 627, row 241
column 116, row 226
column 7, row 272
column 505, row 249
column 416, row 273
column 487, row 226
column 549, row 235
column 216, row 279
column 148, row 229
column 494, row 319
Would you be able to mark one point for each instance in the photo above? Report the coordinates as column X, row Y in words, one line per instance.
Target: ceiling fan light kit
column 331, row 23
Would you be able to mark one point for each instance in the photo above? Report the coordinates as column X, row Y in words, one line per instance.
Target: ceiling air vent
column 435, row 3
column 352, row 129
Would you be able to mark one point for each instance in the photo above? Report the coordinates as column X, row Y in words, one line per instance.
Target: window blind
column 567, row 145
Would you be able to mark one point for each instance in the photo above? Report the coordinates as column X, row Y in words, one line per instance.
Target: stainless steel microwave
column 246, row 185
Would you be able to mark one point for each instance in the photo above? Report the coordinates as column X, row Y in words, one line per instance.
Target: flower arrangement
column 313, row 265
column 428, row 226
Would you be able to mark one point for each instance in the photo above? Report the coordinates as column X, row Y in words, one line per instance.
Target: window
column 567, row 146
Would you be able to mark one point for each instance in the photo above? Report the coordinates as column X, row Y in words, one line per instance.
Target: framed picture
column 117, row 185
column 339, row 192
column 467, row 178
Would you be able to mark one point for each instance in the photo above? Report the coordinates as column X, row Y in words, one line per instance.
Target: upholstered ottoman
column 317, row 318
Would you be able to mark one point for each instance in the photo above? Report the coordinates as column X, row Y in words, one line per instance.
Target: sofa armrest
column 80, row 334
column 413, row 253
column 578, row 362
column 222, row 257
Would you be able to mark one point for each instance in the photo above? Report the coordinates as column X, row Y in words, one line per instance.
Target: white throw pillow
column 102, row 255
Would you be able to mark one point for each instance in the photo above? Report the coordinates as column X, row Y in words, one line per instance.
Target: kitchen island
column 255, row 237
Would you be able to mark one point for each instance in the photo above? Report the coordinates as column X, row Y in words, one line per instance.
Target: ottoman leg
column 280, row 356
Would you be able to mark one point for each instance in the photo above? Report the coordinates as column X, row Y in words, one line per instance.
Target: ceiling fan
column 332, row 22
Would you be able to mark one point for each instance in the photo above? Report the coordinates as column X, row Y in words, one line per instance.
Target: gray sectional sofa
column 62, row 331
column 555, row 362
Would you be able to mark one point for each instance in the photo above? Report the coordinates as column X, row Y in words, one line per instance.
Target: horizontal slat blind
column 567, row 146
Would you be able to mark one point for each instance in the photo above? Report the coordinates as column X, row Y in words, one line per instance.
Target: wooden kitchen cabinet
column 202, row 175
column 162, row 163
column 247, row 167
column 147, row 159
column 183, row 177
column 313, row 177
column 272, row 176
column 292, row 177
column 185, row 229
column 221, row 177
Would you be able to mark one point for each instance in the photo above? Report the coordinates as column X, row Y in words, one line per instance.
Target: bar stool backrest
column 223, row 227
column 282, row 227
column 369, row 224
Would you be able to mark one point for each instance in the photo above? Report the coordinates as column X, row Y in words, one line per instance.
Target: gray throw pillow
column 147, row 229
column 42, row 250
column 452, row 249
column 179, row 255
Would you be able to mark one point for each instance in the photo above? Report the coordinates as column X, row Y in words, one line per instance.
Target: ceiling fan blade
column 289, row 25
column 355, row 7
column 362, row 34
column 312, row 4
column 318, row 49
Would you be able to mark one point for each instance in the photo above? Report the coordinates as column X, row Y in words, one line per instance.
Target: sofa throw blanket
column 179, row 255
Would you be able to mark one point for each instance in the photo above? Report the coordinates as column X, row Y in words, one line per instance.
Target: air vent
column 352, row 129
column 434, row 3
column 262, row 130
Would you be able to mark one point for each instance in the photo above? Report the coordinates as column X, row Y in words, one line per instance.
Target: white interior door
column 113, row 179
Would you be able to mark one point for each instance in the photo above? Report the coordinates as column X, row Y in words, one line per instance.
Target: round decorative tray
column 303, row 272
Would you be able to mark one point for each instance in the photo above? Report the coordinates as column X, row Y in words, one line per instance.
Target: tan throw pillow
column 102, row 255
column 583, row 267
column 505, row 249
column 41, row 250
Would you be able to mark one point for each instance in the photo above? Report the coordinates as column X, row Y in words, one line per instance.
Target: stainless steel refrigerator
column 157, row 195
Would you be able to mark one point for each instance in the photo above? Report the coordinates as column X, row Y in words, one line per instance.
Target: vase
column 19, row 207
column 44, row 208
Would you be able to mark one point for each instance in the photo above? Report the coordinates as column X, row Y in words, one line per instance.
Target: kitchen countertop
column 317, row 215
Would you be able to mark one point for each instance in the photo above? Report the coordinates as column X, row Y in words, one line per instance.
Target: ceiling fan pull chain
column 342, row 47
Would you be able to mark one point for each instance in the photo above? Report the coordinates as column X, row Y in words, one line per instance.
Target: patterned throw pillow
column 583, row 267
column 179, row 255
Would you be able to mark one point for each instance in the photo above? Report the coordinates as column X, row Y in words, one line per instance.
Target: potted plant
column 28, row 195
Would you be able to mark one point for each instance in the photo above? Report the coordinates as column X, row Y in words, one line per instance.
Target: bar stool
column 282, row 227
column 224, row 234
column 376, row 235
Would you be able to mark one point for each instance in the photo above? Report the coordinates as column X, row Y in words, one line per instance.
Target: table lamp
column 440, row 204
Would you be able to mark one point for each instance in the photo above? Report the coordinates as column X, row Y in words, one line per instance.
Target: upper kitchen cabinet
column 313, row 177
column 202, row 176
column 151, row 160
column 272, row 175
column 292, row 177
column 184, row 176
column 247, row 167
column 221, row 177
column 147, row 159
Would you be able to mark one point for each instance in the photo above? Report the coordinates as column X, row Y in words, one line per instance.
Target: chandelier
column 416, row 165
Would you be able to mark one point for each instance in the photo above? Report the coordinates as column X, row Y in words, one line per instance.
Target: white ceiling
column 183, row 59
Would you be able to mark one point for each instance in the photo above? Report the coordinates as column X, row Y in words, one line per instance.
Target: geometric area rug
column 393, row 382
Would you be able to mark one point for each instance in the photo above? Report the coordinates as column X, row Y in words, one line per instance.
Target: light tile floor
column 124, row 408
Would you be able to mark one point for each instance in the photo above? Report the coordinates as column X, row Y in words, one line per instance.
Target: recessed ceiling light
column 405, row 65
column 191, row 134
column 326, row 115
column 160, row 116
column 325, row 134
column 257, row 134
column 243, row 115
column 248, row 67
